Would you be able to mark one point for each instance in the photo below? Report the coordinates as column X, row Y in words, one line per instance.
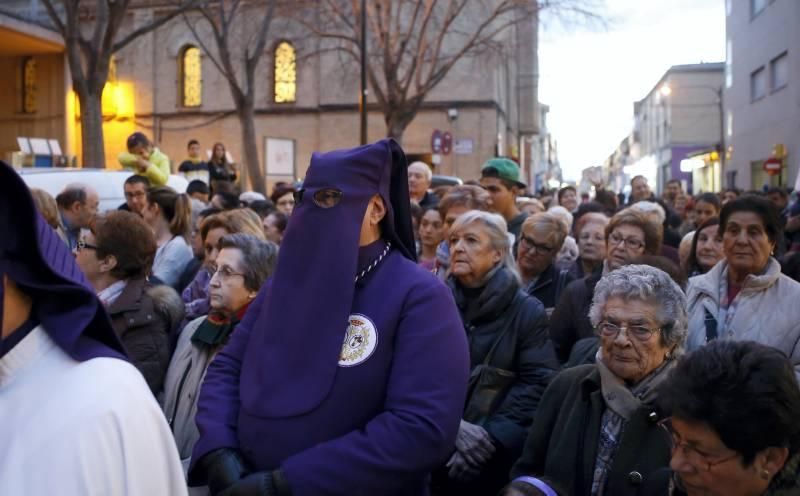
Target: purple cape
column 308, row 303
column 37, row 260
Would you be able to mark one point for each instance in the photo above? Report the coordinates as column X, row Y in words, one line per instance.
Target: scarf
column 622, row 403
column 216, row 328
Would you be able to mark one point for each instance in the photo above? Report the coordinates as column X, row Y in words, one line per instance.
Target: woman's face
column 219, row 152
column 226, row 290
column 592, row 242
column 286, row 203
column 745, row 243
column 627, row 355
column 151, row 214
column 431, row 229
column 210, row 244
column 86, row 257
column 271, row 230
column 625, row 243
column 704, row 211
column 709, row 247
column 706, row 467
column 569, row 200
column 471, row 254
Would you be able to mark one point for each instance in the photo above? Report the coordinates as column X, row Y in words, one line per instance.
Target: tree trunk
column 396, row 124
column 92, row 151
column 250, row 147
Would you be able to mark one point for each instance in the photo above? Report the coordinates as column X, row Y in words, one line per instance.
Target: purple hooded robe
column 347, row 388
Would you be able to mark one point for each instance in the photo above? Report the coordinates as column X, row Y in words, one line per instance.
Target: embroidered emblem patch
column 360, row 341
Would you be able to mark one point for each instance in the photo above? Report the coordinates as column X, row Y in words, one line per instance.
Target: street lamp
column 666, row 90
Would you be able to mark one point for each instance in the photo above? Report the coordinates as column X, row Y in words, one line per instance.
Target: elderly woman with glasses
column 511, row 356
column 241, row 266
column 539, row 242
column 628, row 235
column 733, row 429
column 596, row 430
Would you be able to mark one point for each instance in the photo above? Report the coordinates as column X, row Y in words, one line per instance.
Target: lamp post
column 666, row 91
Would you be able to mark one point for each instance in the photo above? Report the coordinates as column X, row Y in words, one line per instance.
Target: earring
column 765, row 474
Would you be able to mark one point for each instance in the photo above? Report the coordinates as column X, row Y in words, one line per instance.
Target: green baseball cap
column 502, row 168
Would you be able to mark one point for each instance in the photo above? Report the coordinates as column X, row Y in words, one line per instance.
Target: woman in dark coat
column 596, row 431
column 506, row 330
column 115, row 257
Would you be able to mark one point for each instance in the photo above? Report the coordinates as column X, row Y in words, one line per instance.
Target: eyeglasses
column 83, row 245
column 323, row 198
column 533, row 245
column 638, row 332
column 692, row 455
column 634, row 243
column 224, row 272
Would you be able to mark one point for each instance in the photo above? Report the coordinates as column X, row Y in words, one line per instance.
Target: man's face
column 136, row 197
column 453, row 213
column 194, row 150
column 502, row 198
column 728, row 196
column 640, row 189
column 673, row 190
column 418, row 182
column 197, row 195
column 85, row 213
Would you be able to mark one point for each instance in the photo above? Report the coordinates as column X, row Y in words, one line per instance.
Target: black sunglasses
column 324, row 198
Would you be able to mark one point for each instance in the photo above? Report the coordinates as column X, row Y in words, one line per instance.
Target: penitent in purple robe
column 387, row 414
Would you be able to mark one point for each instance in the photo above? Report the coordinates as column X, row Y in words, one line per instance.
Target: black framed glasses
column 632, row 243
column 83, row 245
column 531, row 244
column 638, row 332
column 323, row 198
column 225, row 272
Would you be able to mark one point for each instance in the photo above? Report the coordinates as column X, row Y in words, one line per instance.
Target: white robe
column 81, row 428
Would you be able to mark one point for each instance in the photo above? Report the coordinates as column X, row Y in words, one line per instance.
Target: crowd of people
column 365, row 333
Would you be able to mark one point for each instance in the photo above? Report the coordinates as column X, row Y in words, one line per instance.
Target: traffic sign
column 447, row 142
column 436, row 141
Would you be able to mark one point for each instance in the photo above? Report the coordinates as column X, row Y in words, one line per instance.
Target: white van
column 108, row 183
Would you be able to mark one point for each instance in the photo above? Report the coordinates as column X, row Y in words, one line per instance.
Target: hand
column 142, row 164
column 460, row 469
column 474, row 443
column 793, row 223
column 219, row 470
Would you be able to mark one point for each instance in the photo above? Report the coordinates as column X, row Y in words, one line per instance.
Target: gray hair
column 648, row 207
column 423, row 165
column 499, row 237
column 72, row 192
column 259, row 257
column 649, row 284
column 562, row 214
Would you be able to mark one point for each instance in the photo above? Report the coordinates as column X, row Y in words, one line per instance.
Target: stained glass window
column 29, row 86
column 191, row 77
column 285, row 73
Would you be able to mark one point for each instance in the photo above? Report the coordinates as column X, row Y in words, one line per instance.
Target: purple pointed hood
column 37, row 260
column 293, row 356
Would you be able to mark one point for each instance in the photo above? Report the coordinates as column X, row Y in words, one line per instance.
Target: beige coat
column 768, row 310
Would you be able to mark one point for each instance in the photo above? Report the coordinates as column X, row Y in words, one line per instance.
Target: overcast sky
column 591, row 77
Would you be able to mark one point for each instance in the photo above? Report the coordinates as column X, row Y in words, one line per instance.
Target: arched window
column 285, row 73
column 29, row 86
column 191, row 76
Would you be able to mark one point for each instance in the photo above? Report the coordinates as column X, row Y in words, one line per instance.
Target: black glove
column 220, row 469
column 257, row 484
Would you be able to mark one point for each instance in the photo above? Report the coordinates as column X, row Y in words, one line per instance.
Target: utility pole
column 723, row 149
column 362, row 108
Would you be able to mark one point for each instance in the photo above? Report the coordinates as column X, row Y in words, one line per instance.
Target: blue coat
column 393, row 412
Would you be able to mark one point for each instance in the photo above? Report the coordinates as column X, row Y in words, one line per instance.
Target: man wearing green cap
column 500, row 177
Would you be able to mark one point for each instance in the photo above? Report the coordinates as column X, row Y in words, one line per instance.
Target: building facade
column 166, row 85
column 679, row 119
column 762, row 91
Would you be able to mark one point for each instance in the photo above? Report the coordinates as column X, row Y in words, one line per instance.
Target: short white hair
column 563, row 214
column 425, row 168
column 251, row 196
column 648, row 207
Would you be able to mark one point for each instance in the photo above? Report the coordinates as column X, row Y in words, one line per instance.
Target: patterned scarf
column 621, row 404
column 214, row 331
